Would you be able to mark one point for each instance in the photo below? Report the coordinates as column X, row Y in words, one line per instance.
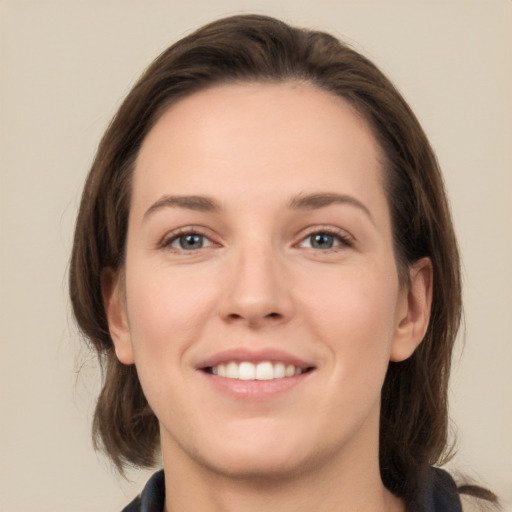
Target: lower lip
column 255, row 389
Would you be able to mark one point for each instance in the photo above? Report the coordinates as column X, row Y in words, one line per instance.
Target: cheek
column 167, row 312
column 167, row 309
column 354, row 315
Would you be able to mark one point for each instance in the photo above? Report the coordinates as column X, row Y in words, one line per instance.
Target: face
column 260, row 299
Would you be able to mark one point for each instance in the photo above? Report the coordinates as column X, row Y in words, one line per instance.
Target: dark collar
column 152, row 498
column 438, row 493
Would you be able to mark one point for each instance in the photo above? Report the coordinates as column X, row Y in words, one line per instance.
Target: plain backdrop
column 64, row 68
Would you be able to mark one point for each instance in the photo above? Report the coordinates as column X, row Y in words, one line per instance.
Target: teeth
column 261, row 371
column 264, row 371
column 246, row 371
column 232, row 371
column 280, row 370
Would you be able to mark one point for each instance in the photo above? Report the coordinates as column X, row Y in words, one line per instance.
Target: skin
column 257, row 283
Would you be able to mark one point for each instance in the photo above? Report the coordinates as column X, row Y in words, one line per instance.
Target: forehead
column 255, row 136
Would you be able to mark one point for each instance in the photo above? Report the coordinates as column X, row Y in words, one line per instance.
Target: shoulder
column 444, row 493
column 152, row 498
column 436, row 492
column 446, row 496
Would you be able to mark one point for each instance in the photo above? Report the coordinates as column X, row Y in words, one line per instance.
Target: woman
column 265, row 262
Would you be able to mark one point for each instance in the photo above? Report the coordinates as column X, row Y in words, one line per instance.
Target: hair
column 250, row 48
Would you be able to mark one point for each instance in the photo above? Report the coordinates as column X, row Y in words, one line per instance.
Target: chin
column 255, row 466
column 258, row 457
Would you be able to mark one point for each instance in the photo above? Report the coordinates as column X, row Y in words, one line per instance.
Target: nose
column 258, row 290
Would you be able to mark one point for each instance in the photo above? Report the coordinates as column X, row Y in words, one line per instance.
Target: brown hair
column 414, row 417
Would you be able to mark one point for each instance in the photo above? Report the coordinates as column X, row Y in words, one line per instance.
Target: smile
column 246, row 370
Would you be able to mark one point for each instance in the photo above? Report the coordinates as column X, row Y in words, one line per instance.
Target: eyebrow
column 313, row 201
column 197, row 203
column 319, row 200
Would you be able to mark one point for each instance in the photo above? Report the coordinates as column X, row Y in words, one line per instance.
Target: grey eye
column 324, row 240
column 189, row 242
column 321, row 241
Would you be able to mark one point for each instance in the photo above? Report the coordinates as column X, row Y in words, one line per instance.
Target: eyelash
column 343, row 239
column 182, row 233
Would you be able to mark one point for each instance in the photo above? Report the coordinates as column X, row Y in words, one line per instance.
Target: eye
column 190, row 241
column 325, row 240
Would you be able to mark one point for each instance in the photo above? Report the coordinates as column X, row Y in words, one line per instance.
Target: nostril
column 254, row 320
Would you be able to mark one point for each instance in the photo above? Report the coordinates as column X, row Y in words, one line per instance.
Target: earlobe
column 115, row 310
column 414, row 311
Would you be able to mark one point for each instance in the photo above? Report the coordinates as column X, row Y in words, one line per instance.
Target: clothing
column 152, row 498
column 438, row 493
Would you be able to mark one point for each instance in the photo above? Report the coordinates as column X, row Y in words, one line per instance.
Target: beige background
column 65, row 65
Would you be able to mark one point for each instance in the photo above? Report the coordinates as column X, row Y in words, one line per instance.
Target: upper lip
column 253, row 356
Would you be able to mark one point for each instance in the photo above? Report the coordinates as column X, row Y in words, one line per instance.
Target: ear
column 112, row 287
column 413, row 310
